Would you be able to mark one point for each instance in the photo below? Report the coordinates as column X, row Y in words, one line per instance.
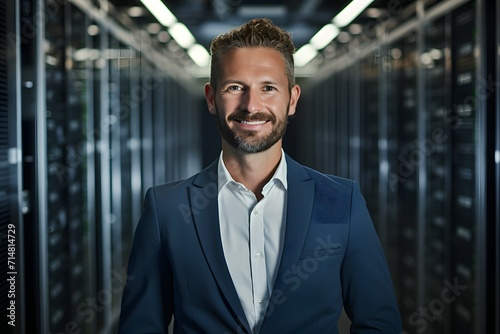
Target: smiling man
column 256, row 243
column 254, row 95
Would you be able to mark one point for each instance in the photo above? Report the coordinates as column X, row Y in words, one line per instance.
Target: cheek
column 220, row 114
column 225, row 108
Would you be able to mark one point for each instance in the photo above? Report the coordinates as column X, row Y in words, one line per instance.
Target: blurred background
column 102, row 99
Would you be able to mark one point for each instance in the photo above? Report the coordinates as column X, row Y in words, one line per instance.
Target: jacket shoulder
column 179, row 188
column 330, row 180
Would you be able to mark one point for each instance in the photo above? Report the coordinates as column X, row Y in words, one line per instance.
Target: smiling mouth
column 252, row 122
column 248, row 120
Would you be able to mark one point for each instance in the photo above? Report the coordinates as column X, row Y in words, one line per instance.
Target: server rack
column 402, row 122
column 95, row 121
column 369, row 146
column 147, row 135
column 68, row 244
column 437, row 147
column 34, row 161
column 464, row 172
column 424, row 129
column 11, row 198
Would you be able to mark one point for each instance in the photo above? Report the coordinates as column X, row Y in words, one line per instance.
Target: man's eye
column 234, row 88
column 269, row 88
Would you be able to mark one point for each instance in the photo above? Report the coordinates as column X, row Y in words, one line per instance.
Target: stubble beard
column 248, row 141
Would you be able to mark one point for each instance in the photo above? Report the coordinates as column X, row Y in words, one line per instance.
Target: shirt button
column 261, row 301
column 255, row 212
column 257, row 255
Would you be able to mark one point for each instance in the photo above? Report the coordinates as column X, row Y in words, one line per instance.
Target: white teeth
column 253, row 123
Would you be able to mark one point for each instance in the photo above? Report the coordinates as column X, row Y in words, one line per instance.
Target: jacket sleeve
column 368, row 293
column 147, row 297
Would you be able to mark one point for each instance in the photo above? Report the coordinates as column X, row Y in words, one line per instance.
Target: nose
column 252, row 101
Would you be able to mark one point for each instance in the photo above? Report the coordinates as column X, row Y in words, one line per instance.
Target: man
column 256, row 243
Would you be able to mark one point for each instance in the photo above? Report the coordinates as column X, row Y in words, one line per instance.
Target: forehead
column 254, row 61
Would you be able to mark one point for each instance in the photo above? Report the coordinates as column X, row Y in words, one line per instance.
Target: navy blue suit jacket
column 331, row 259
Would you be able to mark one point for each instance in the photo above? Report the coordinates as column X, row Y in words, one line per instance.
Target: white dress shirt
column 252, row 236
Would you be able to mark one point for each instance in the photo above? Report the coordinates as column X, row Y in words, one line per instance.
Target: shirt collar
column 279, row 175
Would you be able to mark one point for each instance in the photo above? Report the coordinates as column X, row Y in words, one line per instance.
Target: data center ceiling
column 303, row 18
column 208, row 18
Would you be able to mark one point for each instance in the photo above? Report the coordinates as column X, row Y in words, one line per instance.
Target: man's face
column 252, row 101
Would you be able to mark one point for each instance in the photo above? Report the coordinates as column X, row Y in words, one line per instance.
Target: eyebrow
column 264, row 82
column 227, row 82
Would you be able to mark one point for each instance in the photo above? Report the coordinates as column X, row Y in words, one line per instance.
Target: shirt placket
column 257, row 261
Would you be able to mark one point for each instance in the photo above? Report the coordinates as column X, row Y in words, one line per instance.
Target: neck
column 253, row 170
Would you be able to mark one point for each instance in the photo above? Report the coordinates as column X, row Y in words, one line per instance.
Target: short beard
column 245, row 143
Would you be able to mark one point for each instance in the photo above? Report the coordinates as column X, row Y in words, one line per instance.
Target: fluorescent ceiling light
column 136, row 11
column 199, row 55
column 93, row 30
column 350, row 12
column 95, row 54
column 373, row 13
column 344, row 37
column 118, row 53
column 160, row 12
column 154, row 28
column 163, row 36
column 305, row 54
column 355, row 29
column 86, row 54
column 324, row 36
column 262, row 11
column 181, row 34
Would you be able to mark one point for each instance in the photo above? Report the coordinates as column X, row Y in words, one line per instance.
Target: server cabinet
column 118, row 186
column 173, row 128
column 89, row 154
column 31, row 155
column 70, row 260
column 147, row 133
column 370, row 139
column 100, row 126
column 403, row 161
column 331, row 125
column 437, row 147
column 321, row 122
column 159, row 131
column 11, row 226
column 4, row 168
column 426, row 152
column 462, row 120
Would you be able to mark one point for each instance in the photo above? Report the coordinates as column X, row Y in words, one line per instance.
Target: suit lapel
column 204, row 207
column 300, row 198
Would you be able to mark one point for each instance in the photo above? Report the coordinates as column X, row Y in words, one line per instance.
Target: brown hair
column 255, row 33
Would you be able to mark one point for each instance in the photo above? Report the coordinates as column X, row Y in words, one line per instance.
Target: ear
column 294, row 98
column 210, row 97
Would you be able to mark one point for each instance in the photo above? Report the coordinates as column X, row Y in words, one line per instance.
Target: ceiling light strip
column 158, row 9
column 350, row 12
column 330, row 31
column 179, row 32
